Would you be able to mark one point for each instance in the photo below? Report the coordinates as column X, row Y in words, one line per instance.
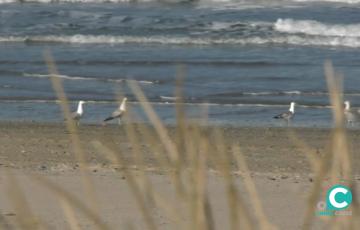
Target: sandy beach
column 278, row 166
column 36, row 146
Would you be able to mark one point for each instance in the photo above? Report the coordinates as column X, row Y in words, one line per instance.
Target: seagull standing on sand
column 78, row 113
column 351, row 115
column 287, row 115
column 119, row 112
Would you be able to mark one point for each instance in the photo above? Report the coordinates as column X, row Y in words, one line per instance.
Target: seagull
column 287, row 115
column 119, row 112
column 78, row 113
column 351, row 115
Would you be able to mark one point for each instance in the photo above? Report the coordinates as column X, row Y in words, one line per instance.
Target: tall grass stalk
column 73, row 132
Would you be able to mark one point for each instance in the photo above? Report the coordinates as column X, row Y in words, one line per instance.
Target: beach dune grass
column 186, row 159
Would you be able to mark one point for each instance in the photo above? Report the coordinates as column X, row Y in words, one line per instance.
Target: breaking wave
column 274, row 93
column 295, row 92
column 331, row 1
column 76, row 78
column 312, row 40
column 311, row 27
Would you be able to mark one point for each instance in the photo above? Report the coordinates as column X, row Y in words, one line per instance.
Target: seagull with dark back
column 118, row 113
column 288, row 115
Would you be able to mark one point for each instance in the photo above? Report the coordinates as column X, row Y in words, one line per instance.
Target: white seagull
column 351, row 115
column 119, row 112
column 78, row 113
column 287, row 115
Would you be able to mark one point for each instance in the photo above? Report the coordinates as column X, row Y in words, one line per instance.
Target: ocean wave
column 280, row 93
column 331, row 1
column 294, row 92
column 270, row 93
column 235, row 3
column 168, row 98
column 221, row 26
column 167, row 40
column 159, row 103
column 312, row 27
column 76, row 78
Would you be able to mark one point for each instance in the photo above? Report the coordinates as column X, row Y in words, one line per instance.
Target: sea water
column 242, row 62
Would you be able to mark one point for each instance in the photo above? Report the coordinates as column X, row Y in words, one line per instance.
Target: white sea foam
column 76, row 78
column 311, row 27
column 34, row 75
column 221, row 25
column 168, row 98
column 294, row 92
column 291, row 39
column 331, row 1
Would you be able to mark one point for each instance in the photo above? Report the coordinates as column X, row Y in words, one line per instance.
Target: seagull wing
column 286, row 115
column 116, row 114
column 75, row 116
column 352, row 115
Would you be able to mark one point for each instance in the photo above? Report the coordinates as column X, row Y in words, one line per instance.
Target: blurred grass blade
column 24, row 215
column 155, row 120
column 71, row 127
column 252, row 191
column 75, row 202
column 69, row 214
column 135, row 188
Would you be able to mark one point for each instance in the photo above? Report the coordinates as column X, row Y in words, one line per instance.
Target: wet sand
column 45, row 146
column 279, row 168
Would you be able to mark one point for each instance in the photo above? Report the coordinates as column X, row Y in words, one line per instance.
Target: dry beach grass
column 190, row 176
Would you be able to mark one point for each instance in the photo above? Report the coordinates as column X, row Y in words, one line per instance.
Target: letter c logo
column 338, row 197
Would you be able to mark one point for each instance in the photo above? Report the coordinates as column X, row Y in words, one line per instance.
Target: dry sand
column 279, row 168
